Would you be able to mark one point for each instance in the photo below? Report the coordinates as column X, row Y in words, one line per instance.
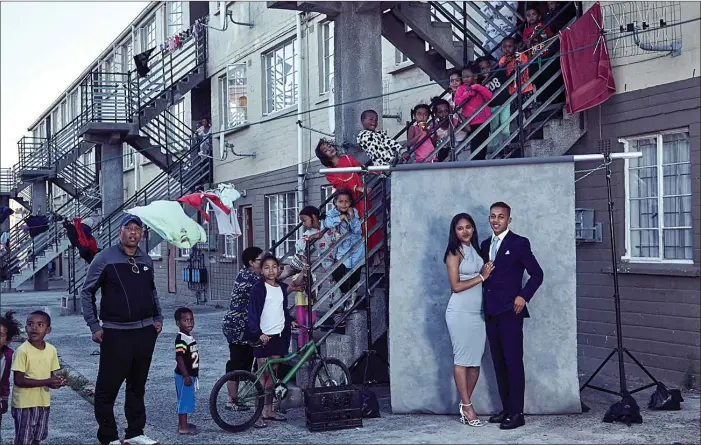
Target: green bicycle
column 248, row 405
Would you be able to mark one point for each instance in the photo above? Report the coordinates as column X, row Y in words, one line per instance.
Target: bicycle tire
column 240, row 376
column 323, row 366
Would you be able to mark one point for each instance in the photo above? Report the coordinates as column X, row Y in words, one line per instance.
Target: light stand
column 620, row 350
column 369, row 353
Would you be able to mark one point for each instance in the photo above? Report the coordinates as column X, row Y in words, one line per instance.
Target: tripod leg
column 598, row 369
column 640, row 365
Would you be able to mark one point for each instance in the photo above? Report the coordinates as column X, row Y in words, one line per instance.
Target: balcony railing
column 108, row 97
column 34, row 153
column 7, row 180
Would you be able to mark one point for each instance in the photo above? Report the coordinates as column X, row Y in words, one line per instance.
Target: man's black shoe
column 513, row 421
column 498, row 418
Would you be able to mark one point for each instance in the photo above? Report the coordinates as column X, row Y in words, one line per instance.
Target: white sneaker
column 140, row 440
column 116, row 442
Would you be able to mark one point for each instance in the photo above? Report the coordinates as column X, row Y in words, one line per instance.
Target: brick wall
column 660, row 303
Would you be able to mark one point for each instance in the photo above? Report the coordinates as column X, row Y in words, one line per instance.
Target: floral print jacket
column 236, row 318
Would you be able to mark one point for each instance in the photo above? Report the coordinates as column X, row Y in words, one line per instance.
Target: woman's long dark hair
column 453, row 241
column 325, row 161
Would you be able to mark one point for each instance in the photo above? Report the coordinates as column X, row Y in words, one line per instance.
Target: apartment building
column 656, row 110
column 266, row 62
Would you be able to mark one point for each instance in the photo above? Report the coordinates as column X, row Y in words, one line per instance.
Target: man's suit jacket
column 505, row 282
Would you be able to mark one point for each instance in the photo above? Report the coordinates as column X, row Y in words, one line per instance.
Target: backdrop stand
column 620, row 350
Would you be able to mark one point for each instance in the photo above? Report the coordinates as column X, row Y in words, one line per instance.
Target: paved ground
column 72, row 419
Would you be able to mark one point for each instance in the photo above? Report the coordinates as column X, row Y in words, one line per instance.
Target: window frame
column 326, row 191
column 290, row 242
column 145, row 34
column 326, row 36
column 230, row 253
column 129, row 157
column 173, row 9
column 240, row 91
column 267, row 57
column 660, row 259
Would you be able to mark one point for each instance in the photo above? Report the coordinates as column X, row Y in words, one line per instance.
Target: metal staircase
column 189, row 174
column 136, row 111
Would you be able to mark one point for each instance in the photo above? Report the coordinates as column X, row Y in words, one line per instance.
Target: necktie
column 495, row 247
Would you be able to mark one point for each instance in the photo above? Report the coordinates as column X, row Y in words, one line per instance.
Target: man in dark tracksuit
column 131, row 321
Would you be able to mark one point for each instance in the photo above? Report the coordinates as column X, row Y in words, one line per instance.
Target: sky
column 44, row 46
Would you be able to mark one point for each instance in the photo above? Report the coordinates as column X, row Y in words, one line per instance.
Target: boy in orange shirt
column 508, row 63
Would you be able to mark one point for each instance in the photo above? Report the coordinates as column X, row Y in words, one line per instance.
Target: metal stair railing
column 107, row 97
column 180, row 178
column 34, row 153
column 166, row 68
column 168, row 131
column 7, row 180
column 518, row 115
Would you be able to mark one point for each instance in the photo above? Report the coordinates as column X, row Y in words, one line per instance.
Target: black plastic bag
column 625, row 411
column 665, row 399
column 371, row 407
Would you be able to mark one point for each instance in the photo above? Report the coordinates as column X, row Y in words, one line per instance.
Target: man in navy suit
column 505, row 301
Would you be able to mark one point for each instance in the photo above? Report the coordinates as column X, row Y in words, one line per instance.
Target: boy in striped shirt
column 187, row 370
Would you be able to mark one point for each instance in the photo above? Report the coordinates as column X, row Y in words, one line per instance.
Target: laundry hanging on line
column 5, row 213
column 141, row 62
column 36, row 225
column 169, row 220
column 84, row 250
column 228, row 194
column 227, row 223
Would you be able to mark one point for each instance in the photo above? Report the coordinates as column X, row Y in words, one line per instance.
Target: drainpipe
column 299, row 64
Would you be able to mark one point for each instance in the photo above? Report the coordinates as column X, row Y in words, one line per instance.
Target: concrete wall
column 421, row 354
column 660, row 302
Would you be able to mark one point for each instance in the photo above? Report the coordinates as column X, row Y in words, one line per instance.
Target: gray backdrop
column 421, row 359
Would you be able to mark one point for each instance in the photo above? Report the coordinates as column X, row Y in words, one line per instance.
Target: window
column 230, row 245
column 326, row 192
column 326, row 56
column 89, row 159
column 55, row 123
column 282, row 218
column 280, row 84
column 657, row 184
column 42, row 129
column 129, row 155
column 176, row 124
column 148, row 35
column 233, row 95
column 174, row 17
column 64, row 114
column 399, row 57
column 156, row 251
column 74, row 104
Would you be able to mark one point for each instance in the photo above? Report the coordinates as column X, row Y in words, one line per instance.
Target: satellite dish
column 332, row 108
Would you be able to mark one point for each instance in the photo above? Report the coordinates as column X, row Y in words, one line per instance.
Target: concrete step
column 418, row 17
column 433, row 64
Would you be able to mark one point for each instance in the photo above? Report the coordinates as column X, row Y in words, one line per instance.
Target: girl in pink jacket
column 472, row 96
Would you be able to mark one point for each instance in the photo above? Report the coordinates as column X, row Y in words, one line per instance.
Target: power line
column 293, row 113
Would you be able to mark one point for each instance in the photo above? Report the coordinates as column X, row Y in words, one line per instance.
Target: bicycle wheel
column 242, row 413
column 330, row 372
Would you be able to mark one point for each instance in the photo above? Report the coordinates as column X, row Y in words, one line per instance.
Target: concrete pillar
column 357, row 66
column 39, row 207
column 111, row 177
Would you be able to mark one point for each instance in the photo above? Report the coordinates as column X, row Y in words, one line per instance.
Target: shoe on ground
column 512, row 422
column 116, row 442
column 498, row 418
column 140, row 440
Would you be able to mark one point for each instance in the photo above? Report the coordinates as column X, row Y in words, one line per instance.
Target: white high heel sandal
column 466, row 421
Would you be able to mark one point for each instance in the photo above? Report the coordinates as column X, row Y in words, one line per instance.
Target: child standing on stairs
column 9, row 329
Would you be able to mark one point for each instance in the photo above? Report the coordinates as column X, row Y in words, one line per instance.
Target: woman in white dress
column 464, row 317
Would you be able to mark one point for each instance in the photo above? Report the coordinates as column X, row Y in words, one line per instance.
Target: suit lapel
column 503, row 246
